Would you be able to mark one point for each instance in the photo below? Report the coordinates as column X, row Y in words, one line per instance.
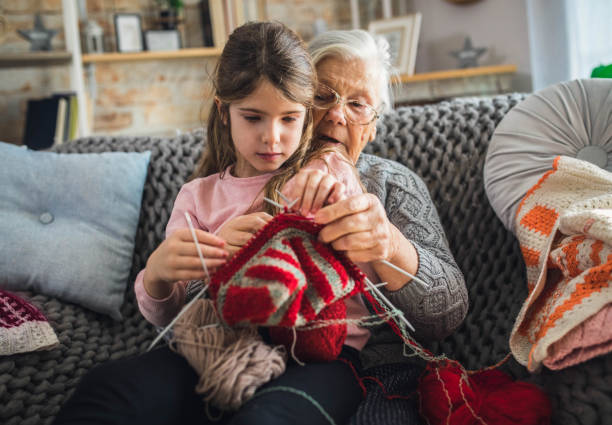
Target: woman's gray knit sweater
column 434, row 312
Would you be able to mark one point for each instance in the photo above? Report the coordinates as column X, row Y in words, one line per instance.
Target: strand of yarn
column 232, row 363
column 293, row 343
column 303, row 394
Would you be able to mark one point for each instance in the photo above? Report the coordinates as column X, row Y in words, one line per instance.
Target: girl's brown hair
column 254, row 52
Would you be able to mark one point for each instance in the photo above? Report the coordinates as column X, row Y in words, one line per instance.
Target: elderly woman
column 394, row 221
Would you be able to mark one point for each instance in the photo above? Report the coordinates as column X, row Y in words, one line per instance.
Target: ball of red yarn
column 490, row 395
column 315, row 345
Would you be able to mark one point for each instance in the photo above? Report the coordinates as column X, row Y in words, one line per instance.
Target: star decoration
column 39, row 36
column 468, row 56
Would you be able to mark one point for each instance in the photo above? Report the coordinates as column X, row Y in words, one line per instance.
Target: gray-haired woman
column 394, row 221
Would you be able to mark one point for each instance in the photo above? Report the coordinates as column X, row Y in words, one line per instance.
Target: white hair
column 356, row 44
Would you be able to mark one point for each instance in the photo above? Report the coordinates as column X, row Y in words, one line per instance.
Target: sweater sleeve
column 435, row 311
column 160, row 312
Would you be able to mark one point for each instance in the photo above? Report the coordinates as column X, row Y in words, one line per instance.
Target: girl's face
column 266, row 129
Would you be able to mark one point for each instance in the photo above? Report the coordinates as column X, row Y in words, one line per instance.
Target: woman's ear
column 220, row 110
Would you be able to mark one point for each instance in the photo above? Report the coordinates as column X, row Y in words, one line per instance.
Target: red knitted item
column 316, row 345
column 285, row 277
column 23, row 327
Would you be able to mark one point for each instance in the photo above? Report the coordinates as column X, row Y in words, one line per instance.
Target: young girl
column 258, row 134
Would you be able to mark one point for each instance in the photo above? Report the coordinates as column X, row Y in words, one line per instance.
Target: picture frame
column 159, row 40
column 128, row 31
column 402, row 33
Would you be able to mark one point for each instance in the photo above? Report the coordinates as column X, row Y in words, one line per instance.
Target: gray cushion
column 69, row 222
column 572, row 118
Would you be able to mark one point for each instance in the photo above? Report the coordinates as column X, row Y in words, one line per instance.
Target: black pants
column 158, row 388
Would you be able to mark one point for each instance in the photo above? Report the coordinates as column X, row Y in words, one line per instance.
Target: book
column 73, row 122
column 228, row 13
column 207, row 29
column 41, row 122
column 60, row 121
column 217, row 19
column 71, row 105
column 239, row 12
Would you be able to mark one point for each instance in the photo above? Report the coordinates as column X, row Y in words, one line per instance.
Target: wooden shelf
column 439, row 85
column 456, row 73
column 196, row 52
column 34, row 58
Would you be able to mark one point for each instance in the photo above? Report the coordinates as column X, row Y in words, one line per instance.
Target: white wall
column 549, row 44
column 499, row 25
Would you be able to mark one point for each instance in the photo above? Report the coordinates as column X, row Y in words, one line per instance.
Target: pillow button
column 46, row 218
column 594, row 154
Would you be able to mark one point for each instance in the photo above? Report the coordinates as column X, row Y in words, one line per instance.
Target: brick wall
column 151, row 97
column 148, row 97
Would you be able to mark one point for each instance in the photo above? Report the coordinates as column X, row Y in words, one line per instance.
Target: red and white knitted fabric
column 284, row 278
column 568, row 277
column 23, row 328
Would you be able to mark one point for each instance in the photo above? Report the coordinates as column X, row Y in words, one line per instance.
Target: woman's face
column 352, row 79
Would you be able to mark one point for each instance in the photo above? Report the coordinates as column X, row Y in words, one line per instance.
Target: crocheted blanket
column 564, row 226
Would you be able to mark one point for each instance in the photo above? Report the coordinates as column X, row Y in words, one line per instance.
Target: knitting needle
column 289, row 203
column 386, row 300
column 284, row 198
column 378, row 285
column 405, row 273
column 276, row 204
column 195, row 240
column 198, row 295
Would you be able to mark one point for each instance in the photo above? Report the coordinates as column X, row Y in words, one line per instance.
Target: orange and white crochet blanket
column 564, row 226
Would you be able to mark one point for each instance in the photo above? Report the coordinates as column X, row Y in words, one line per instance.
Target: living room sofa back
column 445, row 144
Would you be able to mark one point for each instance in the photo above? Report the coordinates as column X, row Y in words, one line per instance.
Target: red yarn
column 488, row 396
column 315, row 345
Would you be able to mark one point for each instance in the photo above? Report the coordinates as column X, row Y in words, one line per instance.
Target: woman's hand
column 177, row 259
column 237, row 231
column 359, row 226
column 313, row 188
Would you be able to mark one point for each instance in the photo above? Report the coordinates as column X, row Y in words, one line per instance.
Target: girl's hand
column 313, row 189
column 177, row 259
column 237, row 231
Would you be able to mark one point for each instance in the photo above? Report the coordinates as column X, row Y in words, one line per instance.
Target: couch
column 445, row 144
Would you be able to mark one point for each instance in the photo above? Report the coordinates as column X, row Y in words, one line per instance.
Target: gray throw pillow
column 68, row 223
column 573, row 118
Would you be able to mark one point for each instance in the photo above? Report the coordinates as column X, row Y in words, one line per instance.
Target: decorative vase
column 169, row 19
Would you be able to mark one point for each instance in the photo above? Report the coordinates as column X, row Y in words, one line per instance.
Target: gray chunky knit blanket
column 445, row 144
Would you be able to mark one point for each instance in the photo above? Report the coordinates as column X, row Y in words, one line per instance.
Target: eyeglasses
column 355, row 111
